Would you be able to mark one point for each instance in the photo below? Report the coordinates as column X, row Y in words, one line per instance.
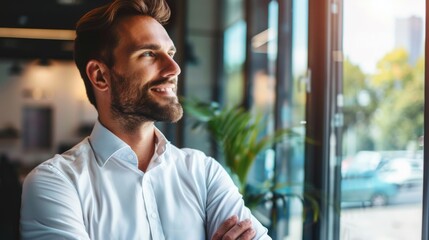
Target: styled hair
column 96, row 36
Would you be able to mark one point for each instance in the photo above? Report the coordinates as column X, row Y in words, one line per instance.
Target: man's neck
column 141, row 139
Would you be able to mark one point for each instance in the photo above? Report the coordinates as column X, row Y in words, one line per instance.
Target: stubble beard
column 133, row 106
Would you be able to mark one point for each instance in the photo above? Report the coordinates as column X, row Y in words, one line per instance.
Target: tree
column 399, row 117
column 384, row 111
column 360, row 102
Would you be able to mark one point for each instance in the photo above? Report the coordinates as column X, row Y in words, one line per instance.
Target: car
column 379, row 178
column 405, row 173
column 366, row 188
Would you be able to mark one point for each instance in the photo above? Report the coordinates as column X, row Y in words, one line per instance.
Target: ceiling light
column 34, row 33
column 69, row 2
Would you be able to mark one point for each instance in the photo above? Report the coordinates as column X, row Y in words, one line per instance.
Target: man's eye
column 148, row 54
column 171, row 54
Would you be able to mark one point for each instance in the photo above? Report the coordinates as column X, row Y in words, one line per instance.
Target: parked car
column 405, row 173
column 377, row 181
column 366, row 188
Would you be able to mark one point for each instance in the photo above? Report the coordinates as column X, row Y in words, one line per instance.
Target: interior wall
column 58, row 86
column 61, row 88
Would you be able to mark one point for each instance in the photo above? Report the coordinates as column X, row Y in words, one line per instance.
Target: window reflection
column 383, row 82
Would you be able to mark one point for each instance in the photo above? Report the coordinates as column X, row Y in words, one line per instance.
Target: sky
column 368, row 31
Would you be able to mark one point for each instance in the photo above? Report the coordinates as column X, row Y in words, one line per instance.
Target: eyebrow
column 151, row 46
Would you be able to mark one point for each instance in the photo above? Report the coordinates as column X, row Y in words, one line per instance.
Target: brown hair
column 95, row 32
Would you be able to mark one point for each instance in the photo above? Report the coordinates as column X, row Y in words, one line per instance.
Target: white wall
column 59, row 86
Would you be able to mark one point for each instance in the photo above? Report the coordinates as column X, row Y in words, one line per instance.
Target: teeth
column 162, row 89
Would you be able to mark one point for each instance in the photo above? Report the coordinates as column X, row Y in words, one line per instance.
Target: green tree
column 399, row 85
column 360, row 102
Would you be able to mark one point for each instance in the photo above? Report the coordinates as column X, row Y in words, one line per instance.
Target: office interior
column 346, row 79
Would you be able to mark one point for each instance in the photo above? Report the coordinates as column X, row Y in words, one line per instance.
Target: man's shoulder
column 70, row 161
column 192, row 158
column 194, row 152
column 82, row 150
column 188, row 154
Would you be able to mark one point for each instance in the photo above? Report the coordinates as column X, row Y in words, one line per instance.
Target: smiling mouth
column 165, row 90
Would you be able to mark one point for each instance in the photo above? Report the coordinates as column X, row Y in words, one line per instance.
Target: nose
column 170, row 67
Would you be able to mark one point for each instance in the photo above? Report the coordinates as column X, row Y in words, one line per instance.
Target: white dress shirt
column 96, row 191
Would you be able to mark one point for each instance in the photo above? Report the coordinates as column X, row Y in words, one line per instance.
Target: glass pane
column 234, row 52
column 261, row 62
column 282, row 169
column 199, row 71
column 383, row 84
column 290, row 163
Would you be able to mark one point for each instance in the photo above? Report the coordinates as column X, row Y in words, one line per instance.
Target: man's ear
column 98, row 75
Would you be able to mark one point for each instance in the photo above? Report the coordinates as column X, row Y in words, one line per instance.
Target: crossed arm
column 40, row 193
column 233, row 229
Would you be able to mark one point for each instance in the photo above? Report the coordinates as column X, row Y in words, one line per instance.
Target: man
column 126, row 181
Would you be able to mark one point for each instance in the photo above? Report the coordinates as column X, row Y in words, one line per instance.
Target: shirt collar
column 106, row 145
column 161, row 142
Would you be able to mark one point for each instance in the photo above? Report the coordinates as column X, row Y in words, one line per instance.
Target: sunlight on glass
column 383, row 83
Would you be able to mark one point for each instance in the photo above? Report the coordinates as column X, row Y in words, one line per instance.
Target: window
column 348, row 77
column 37, row 128
column 383, row 92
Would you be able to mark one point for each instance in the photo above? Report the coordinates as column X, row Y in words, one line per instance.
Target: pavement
column 400, row 220
column 395, row 222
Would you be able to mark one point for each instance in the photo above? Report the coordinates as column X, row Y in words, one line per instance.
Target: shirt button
column 153, row 215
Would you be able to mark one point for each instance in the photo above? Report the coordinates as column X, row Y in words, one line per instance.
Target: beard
column 134, row 105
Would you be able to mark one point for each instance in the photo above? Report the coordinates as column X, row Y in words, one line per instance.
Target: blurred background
column 346, row 76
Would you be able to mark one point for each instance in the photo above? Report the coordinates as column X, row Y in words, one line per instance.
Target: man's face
column 144, row 75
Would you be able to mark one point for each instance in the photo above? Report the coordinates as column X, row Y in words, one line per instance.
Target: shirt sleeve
column 50, row 207
column 224, row 200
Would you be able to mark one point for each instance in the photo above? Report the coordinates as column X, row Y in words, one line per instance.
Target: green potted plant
column 238, row 134
column 241, row 138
